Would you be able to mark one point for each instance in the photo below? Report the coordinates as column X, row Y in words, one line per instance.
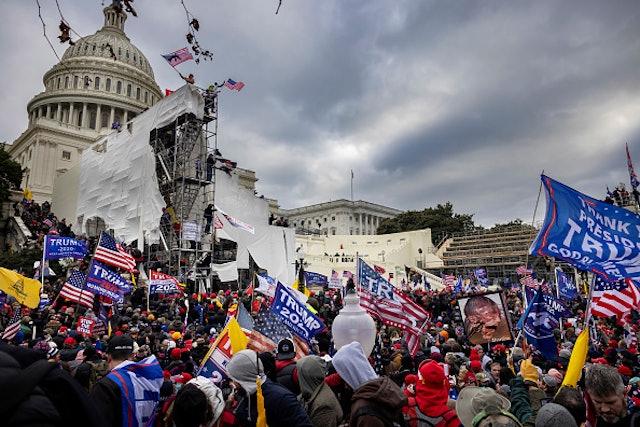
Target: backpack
column 380, row 413
column 424, row 420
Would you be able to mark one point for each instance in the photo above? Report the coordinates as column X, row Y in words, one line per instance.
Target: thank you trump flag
column 295, row 314
column 590, row 234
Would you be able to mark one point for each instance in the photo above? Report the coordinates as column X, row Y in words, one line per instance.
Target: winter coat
column 520, row 404
column 34, row 391
column 377, row 403
column 107, row 397
column 281, row 406
column 318, row 399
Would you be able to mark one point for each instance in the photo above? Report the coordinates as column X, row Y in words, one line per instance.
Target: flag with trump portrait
column 589, row 234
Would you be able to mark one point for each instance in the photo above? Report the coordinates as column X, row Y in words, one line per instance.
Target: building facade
column 103, row 79
column 338, row 217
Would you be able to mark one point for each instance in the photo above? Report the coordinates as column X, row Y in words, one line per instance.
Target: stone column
column 360, row 231
column 85, row 122
column 98, row 118
column 125, row 117
column 70, row 119
column 59, row 112
column 48, row 111
column 112, row 118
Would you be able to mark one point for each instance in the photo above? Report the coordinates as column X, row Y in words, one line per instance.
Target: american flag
column 14, row 325
column 379, row 269
column 73, row 289
column 217, row 222
column 178, row 57
column 401, row 313
column 413, row 342
column 449, row 280
column 234, row 85
column 523, row 271
column 529, row 281
column 268, row 330
column 614, row 299
column 110, row 252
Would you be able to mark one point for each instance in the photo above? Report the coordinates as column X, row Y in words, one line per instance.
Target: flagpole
column 533, row 221
column 352, row 185
column 555, row 274
column 44, row 251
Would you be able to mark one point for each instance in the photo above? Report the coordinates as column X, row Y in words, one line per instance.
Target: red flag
column 168, row 92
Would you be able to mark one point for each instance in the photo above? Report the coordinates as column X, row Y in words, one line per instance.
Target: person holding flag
column 129, row 394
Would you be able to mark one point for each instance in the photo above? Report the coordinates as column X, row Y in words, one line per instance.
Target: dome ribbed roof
column 111, row 34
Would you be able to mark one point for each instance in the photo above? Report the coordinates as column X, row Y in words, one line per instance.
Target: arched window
column 66, row 82
column 96, row 83
column 127, row 55
column 146, row 97
column 129, row 89
column 108, row 85
column 135, row 58
column 119, row 87
column 138, row 94
column 75, row 82
column 58, row 84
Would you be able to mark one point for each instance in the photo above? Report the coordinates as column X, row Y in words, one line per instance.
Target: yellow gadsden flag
column 25, row 290
column 27, row 194
column 577, row 360
column 237, row 338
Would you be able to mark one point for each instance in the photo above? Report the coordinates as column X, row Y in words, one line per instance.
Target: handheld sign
column 85, row 325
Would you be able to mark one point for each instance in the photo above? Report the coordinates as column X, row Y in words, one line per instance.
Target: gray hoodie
column 244, row 367
column 352, row 365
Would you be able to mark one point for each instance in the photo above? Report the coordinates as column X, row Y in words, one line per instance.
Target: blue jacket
column 282, row 408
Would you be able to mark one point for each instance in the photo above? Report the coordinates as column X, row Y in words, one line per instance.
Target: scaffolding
column 186, row 151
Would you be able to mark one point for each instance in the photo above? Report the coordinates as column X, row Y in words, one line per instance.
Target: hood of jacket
column 244, row 367
column 382, row 391
column 213, row 394
column 352, row 365
column 311, row 373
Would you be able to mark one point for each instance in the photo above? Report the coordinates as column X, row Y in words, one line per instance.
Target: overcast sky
column 427, row 101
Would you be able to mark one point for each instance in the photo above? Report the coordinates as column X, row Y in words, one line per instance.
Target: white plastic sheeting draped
column 120, row 184
column 227, row 272
column 272, row 248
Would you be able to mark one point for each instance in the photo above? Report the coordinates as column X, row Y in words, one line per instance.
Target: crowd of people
column 448, row 382
column 141, row 364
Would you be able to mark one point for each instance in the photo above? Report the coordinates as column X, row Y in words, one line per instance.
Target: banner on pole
column 106, row 282
column 57, row 247
column 312, row 278
column 589, row 234
column 295, row 314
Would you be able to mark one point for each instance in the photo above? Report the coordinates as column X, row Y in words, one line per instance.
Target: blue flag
column 538, row 327
column 106, row 282
column 312, row 278
column 57, row 247
column 589, row 234
column 566, row 288
column 295, row 314
column 556, row 308
column 481, row 276
column 458, row 286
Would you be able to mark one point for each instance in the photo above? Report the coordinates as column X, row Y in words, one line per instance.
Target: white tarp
column 119, row 184
column 272, row 248
column 227, row 272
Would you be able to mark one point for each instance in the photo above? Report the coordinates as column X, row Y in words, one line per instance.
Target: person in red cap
column 432, row 396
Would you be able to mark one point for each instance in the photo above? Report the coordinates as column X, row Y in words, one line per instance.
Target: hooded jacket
column 281, row 406
column 352, row 365
column 318, row 399
column 377, row 403
column 432, row 393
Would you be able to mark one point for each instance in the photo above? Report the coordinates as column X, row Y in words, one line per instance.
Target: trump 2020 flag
column 589, row 234
column 103, row 281
column 539, row 325
column 566, row 288
column 57, row 247
column 311, row 278
column 295, row 314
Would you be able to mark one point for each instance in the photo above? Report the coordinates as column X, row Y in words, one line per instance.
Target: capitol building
column 104, row 78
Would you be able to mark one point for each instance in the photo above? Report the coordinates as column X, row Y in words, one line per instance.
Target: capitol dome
column 103, row 78
column 100, row 80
